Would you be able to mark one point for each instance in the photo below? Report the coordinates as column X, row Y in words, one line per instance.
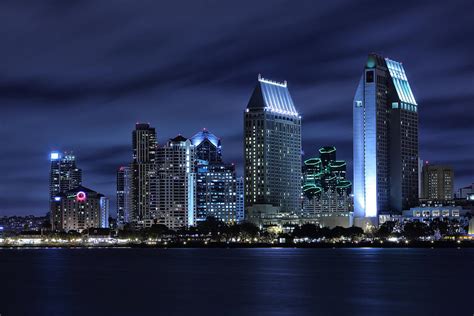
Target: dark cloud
column 77, row 76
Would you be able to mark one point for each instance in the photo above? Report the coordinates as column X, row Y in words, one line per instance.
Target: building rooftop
column 197, row 139
column 400, row 81
column 178, row 139
column 272, row 96
column 78, row 189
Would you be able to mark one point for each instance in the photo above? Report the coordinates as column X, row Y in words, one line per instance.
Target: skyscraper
column 215, row 180
column 215, row 191
column 385, row 115
column 177, row 182
column 272, row 151
column 438, row 182
column 144, row 204
column 123, row 195
column 64, row 174
column 207, row 146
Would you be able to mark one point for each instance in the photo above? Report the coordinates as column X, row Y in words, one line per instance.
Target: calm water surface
column 237, row 282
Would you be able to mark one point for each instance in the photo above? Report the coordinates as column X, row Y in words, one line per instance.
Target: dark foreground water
column 237, row 282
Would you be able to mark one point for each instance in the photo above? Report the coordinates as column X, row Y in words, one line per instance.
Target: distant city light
column 81, row 196
column 54, row 155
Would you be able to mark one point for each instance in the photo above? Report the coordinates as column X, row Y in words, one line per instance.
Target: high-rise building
column 326, row 190
column 385, row 126
column 124, row 179
column 438, row 182
column 272, row 151
column 64, row 174
column 177, row 183
column 240, row 200
column 207, row 146
column 215, row 191
column 78, row 209
column 215, row 180
column 144, row 204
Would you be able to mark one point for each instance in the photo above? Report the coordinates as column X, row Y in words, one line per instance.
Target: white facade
column 176, row 184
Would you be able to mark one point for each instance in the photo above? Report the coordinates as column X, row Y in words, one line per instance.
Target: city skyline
column 94, row 120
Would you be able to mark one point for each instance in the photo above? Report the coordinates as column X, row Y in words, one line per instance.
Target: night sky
column 77, row 75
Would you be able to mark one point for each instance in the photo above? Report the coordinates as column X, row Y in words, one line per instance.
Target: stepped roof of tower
column 397, row 73
column 198, row 138
column 272, row 96
column 400, row 80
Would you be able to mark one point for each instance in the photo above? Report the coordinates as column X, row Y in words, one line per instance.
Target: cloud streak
column 78, row 76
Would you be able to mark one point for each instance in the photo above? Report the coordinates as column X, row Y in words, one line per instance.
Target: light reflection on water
column 355, row 281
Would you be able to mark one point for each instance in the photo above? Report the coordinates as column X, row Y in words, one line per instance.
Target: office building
column 385, row 122
column 78, row 209
column 207, row 146
column 64, row 174
column 215, row 180
column 177, row 183
column 124, row 179
column 272, row 153
column 215, row 191
column 143, row 200
column 438, row 182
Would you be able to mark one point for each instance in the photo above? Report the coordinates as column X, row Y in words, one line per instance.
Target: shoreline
column 223, row 245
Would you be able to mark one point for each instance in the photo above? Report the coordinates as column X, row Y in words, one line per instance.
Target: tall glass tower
column 123, row 194
column 272, row 151
column 177, row 183
column 215, row 180
column 64, row 174
column 144, row 204
column 208, row 146
column 385, row 122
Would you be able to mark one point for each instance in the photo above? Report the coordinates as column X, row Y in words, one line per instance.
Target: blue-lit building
column 385, row 122
column 215, row 180
column 215, row 191
column 272, row 152
column 207, row 146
